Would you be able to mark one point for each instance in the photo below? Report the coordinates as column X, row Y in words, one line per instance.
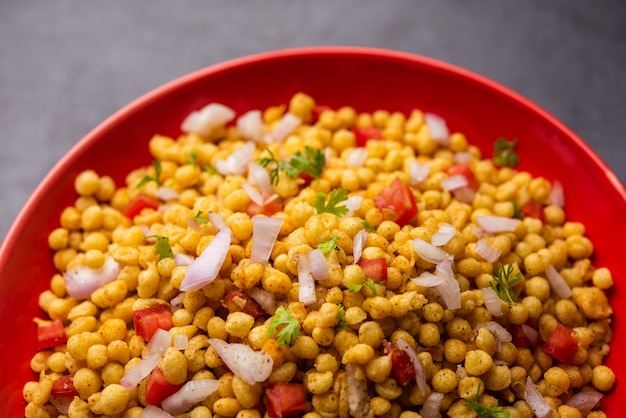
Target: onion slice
column 151, row 411
column 454, row 182
column 431, row 406
column 259, row 176
column 353, row 203
column 419, row 172
column 306, row 290
column 428, row 279
column 585, row 401
column 557, row 194
column 443, row 235
column 180, row 341
column 237, row 162
column 429, row 252
column 420, row 373
column 253, row 193
column 285, row 126
column 264, row 298
column 493, row 224
column 251, row 366
column 250, row 125
column 449, row 290
column 464, row 194
column 318, row 264
column 533, row 398
column 500, row 333
column 486, row 251
column 531, row 334
column 190, row 394
column 159, row 343
column 264, row 234
column 139, row 371
column 166, row 193
column 82, row 281
column 492, row 301
column 357, row 157
column 357, row 391
column 205, row 120
column 438, row 128
column 358, row 243
column 463, row 157
column 558, row 283
column 183, row 259
column 205, row 268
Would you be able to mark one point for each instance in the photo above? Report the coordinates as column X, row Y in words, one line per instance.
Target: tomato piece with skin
column 466, row 171
column 159, row 389
column 561, row 344
column 148, row 320
column 533, row 209
column 402, row 368
column 139, row 203
column 239, row 301
column 375, row 269
column 51, row 335
column 519, row 337
column 267, row 209
column 63, row 387
column 397, row 203
column 285, row 399
column 362, row 135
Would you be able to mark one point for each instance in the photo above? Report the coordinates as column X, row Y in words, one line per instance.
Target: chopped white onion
column 419, row 172
column 177, row 302
column 429, row 252
column 151, row 411
column 166, row 193
column 585, row 401
column 492, row 301
column 557, row 195
column 531, row 334
column 454, row 182
column 464, row 194
column 486, row 251
column 180, row 341
column 82, row 281
column 250, row 125
column 558, row 283
column 266, row 299
column 259, row 176
column 427, row 279
column 493, row 224
column 163, row 208
column 159, row 343
column 183, row 259
column 500, row 333
column 62, row 404
column 438, row 128
column 147, row 232
column 253, row 193
column 443, row 235
column 500, row 363
column 357, row 157
column 358, row 243
column 461, row 373
column 139, row 371
column 353, row 203
column 264, row 233
column 357, row 391
column 431, row 406
column 537, row 403
column 420, row 373
column 192, row 224
column 251, row 366
column 205, row 268
column 218, row 222
column 306, row 290
column 449, row 290
column 205, row 120
column 237, row 162
column 318, row 264
column 463, row 157
column 285, row 126
column 190, row 394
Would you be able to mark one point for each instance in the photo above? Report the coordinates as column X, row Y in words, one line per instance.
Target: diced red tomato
column 363, row 135
column 239, row 301
column 317, row 111
column 561, row 344
column 307, row 179
column 148, row 320
column 402, row 368
column 533, row 209
column 51, row 335
column 466, row 171
column 140, row 202
column 268, row 209
column 159, row 388
column 285, row 399
column 520, row 339
column 63, row 387
column 375, row 269
column 397, row 203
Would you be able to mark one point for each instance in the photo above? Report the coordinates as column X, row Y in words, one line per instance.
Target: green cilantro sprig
column 368, row 227
column 290, row 330
column 210, row 170
column 328, row 246
column 504, row 153
column 193, row 156
column 485, row 412
column 157, row 175
column 162, row 247
column 517, row 210
column 370, row 283
column 341, row 313
column 503, row 282
column 334, row 198
column 311, row 162
column 199, row 219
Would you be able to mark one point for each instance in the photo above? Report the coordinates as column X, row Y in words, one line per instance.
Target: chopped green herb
column 368, row 227
column 371, row 283
column 210, row 169
column 503, row 282
column 328, row 246
column 335, row 197
column 517, row 210
column 199, row 220
column 291, row 326
column 162, row 247
column 157, row 175
column 341, row 313
column 504, row 153
column 484, row 412
column 192, row 157
column 311, row 162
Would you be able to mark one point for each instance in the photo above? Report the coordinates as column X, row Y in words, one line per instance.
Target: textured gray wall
column 66, row 65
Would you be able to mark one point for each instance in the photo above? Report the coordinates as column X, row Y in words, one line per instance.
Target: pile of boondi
column 316, row 262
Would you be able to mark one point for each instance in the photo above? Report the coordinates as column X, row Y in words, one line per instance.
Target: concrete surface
column 66, row 65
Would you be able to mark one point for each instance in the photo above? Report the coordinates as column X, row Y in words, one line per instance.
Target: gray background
column 66, row 65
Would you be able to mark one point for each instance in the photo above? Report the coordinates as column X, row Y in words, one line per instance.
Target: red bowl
column 368, row 79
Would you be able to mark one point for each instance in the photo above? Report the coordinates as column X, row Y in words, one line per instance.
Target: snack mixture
column 317, row 262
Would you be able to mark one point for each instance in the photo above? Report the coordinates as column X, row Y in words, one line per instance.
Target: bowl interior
column 367, row 79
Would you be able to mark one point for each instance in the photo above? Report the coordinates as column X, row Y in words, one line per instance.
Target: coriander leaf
column 370, row 283
column 485, row 412
column 503, row 282
column 355, row 287
column 192, row 157
column 335, row 197
column 210, row 169
column 200, row 221
column 368, row 227
column 341, row 313
column 147, row 179
column 328, row 246
column 310, row 162
column 291, row 326
column 517, row 211
column 271, row 161
column 162, row 247
column 504, row 153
